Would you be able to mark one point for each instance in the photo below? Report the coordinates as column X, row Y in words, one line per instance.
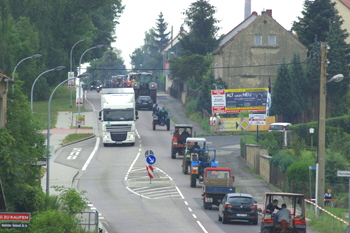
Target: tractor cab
column 295, row 204
column 178, row 142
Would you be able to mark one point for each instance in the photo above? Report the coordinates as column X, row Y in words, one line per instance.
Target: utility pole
column 322, row 127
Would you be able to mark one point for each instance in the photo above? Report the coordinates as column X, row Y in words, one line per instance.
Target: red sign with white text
column 7, row 216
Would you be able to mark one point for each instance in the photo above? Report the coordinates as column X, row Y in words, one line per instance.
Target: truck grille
column 118, row 128
column 118, row 137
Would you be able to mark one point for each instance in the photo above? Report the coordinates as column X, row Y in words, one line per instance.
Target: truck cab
column 118, row 116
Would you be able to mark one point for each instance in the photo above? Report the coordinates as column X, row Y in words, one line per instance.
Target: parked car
column 238, row 206
column 279, row 126
column 144, row 102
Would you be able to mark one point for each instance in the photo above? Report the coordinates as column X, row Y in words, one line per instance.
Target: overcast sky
column 140, row 15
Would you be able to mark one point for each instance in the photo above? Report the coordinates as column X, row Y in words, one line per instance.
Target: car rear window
column 276, row 127
column 240, row 200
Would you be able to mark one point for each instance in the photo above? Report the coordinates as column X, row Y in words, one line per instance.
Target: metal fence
column 278, row 179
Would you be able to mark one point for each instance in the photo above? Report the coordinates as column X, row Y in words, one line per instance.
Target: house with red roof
column 248, row 56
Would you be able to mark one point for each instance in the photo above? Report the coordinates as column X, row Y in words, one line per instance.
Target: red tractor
column 295, row 204
column 178, row 142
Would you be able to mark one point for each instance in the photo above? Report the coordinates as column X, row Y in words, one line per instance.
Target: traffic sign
column 149, row 152
column 151, row 159
column 343, row 173
column 257, row 119
column 149, row 169
column 14, row 225
column 244, row 124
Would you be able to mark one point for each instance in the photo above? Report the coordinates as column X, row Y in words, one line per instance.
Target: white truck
column 118, row 115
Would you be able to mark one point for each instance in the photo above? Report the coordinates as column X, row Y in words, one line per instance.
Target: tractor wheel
column 154, row 125
column 204, row 204
column 173, row 153
column 184, row 167
column 168, row 125
column 193, row 181
column 153, row 95
column 301, row 231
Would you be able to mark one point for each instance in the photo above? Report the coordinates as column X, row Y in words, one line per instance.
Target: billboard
column 239, row 100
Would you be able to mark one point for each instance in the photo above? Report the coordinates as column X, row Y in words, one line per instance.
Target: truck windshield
column 118, row 115
column 145, row 78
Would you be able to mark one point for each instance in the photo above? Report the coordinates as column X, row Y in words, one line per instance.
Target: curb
column 68, row 144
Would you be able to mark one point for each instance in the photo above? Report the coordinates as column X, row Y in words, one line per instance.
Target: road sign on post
column 151, row 159
column 149, row 169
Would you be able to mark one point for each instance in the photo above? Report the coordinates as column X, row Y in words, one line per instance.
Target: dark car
column 238, row 206
column 144, row 102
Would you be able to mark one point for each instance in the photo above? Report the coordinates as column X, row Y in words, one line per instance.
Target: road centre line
column 201, row 226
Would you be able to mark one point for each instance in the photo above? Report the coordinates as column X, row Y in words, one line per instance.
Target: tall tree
column 159, row 33
column 315, row 21
column 203, row 32
column 298, row 82
column 284, row 101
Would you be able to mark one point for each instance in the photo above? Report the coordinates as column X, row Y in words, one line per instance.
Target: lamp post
column 312, row 130
column 14, row 70
column 71, row 62
column 31, row 93
column 48, row 131
column 322, row 125
column 79, row 87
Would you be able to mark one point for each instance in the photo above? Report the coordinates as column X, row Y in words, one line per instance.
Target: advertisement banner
column 249, row 99
column 218, row 101
column 70, row 82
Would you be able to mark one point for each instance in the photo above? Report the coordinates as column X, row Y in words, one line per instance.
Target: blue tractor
column 200, row 159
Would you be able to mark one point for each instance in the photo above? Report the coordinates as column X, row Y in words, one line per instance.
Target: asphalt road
column 119, row 189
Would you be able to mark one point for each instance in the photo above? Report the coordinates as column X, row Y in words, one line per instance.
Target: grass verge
column 76, row 137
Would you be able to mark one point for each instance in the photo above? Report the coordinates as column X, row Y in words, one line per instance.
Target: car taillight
column 135, row 85
column 153, row 85
column 254, row 207
column 227, row 206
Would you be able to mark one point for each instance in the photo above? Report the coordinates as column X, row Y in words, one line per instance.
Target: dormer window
column 258, row 40
column 272, row 40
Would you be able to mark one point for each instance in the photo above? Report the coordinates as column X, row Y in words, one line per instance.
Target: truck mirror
column 137, row 117
column 99, row 115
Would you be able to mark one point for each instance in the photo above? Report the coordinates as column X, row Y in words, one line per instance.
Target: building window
column 272, row 40
column 258, row 40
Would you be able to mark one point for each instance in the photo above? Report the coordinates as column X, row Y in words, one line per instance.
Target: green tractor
column 144, row 84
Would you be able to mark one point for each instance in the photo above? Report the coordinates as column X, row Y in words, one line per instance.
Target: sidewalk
column 61, row 174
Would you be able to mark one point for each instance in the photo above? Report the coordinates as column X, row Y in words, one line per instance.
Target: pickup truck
column 216, row 183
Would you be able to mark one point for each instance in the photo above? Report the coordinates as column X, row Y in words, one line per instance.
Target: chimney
column 247, row 8
column 269, row 12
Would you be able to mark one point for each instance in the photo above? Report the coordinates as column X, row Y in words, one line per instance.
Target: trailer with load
column 118, row 116
column 217, row 182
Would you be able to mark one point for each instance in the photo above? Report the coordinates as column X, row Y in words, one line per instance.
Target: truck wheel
column 265, row 230
column 193, row 181
column 205, row 204
column 105, row 144
column 301, row 231
column 173, row 153
column 154, row 126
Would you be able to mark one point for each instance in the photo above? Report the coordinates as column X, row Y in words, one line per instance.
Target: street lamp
column 79, row 92
column 312, row 130
column 48, row 131
column 14, row 70
column 71, row 62
column 31, row 93
column 322, row 125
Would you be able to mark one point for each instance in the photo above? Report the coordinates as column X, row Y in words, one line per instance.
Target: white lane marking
column 92, row 154
column 186, row 203
column 189, row 209
column 75, row 152
column 194, row 215
column 201, row 226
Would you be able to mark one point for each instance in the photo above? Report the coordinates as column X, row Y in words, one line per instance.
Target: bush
column 282, row 160
column 296, row 175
